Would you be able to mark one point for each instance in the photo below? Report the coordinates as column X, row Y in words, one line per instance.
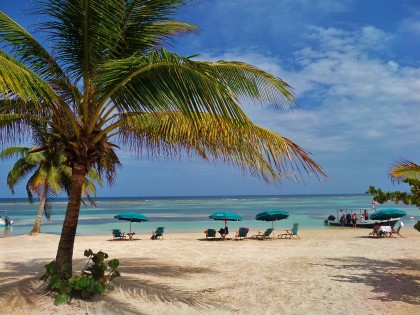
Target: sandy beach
column 337, row 271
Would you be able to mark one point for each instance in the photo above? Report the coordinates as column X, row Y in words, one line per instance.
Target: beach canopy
column 387, row 214
column 132, row 217
column 272, row 215
column 226, row 216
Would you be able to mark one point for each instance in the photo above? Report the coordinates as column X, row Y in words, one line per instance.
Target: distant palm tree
column 50, row 176
column 107, row 81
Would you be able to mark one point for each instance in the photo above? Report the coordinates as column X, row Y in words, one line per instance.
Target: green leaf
column 113, row 263
column 61, row 299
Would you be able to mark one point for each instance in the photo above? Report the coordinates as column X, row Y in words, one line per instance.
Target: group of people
column 351, row 219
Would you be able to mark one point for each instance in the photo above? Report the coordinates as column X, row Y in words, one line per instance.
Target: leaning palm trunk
column 37, row 225
column 68, row 233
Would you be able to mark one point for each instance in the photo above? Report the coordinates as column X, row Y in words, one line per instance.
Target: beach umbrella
column 226, row 216
column 387, row 214
column 132, row 217
column 272, row 215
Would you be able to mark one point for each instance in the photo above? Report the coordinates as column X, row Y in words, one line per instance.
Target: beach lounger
column 210, row 233
column 265, row 235
column 290, row 233
column 242, row 233
column 118, row 235
column 158, row 233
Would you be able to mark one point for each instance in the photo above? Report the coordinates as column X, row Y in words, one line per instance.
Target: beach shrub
column 91, row 281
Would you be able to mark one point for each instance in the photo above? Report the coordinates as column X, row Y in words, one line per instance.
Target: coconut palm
column 50, row 176
column 108, row 81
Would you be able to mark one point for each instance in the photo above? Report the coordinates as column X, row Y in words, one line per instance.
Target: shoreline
column 318, row 274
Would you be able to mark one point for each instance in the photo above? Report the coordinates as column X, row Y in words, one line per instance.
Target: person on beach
column 366, row 215
column 354, row 219
column 223, row 232
column 342, row 220
column 375, row 231
column 348, row 218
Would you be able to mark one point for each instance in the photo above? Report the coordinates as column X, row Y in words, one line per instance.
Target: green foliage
column 398, row 196
column 92, row 280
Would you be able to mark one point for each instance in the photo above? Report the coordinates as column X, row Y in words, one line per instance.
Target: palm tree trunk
column 37, row 225
column 68, row 233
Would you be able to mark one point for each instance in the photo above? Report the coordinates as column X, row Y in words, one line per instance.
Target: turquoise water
column 190, row 214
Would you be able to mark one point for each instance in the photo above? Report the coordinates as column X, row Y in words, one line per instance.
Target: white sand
column 339, row 271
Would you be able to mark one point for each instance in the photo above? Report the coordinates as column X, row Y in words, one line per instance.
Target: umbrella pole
column 130, row 226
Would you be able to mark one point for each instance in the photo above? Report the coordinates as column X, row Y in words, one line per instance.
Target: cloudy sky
column 354, row 68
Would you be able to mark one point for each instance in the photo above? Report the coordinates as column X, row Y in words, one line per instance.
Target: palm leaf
column 251, row 148
column 28, row 51
column 405, row 169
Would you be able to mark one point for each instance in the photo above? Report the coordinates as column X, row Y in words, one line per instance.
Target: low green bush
column 92, row 280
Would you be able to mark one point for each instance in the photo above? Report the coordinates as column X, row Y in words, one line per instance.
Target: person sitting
column 375, row 231
column 223, row 232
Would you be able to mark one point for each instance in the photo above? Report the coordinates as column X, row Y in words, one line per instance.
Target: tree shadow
column 394, row 280
column 24, row 287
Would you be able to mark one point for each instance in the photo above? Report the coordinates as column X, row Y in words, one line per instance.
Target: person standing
column 354, row 219
column 348, row 218
column 342, row 220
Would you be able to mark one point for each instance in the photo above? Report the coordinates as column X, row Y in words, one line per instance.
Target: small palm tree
column 50, row 175
column 107, row 81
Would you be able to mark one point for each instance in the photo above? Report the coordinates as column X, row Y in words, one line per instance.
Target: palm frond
column 404, row 169
column 19, row 82
column 83, row 32
column 251, row 83
column 147, row 24
column 28, row 51
column 163, row 81
column 251, row 148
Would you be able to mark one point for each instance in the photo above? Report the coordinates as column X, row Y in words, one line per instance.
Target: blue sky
column 355, row 70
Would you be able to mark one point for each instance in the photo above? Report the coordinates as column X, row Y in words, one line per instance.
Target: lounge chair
column 290, row 233
column 158, row 233
column 118, row 235
column 265, row 235
column 242, row 233
column 210, row 233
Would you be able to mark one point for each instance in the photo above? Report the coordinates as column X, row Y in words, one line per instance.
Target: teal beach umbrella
column 272, row 215
column 132, row 217
column 387, row 214
column 226, row 216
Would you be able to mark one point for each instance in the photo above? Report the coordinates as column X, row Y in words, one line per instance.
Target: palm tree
column 109, row 83
column 50, row 175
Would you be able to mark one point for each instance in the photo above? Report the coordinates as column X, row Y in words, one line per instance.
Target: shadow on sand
column 136, row 284
column 394, row 280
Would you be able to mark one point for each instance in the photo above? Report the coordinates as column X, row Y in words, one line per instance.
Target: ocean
column 191, row 214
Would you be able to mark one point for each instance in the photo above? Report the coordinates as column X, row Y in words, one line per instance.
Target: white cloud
column 350, row 101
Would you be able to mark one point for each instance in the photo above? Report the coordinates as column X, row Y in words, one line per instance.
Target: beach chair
column 158, row 233
column 265, row 235
column 242, row 233
column 210, row 233
column 290, row 233
column 118, row 235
